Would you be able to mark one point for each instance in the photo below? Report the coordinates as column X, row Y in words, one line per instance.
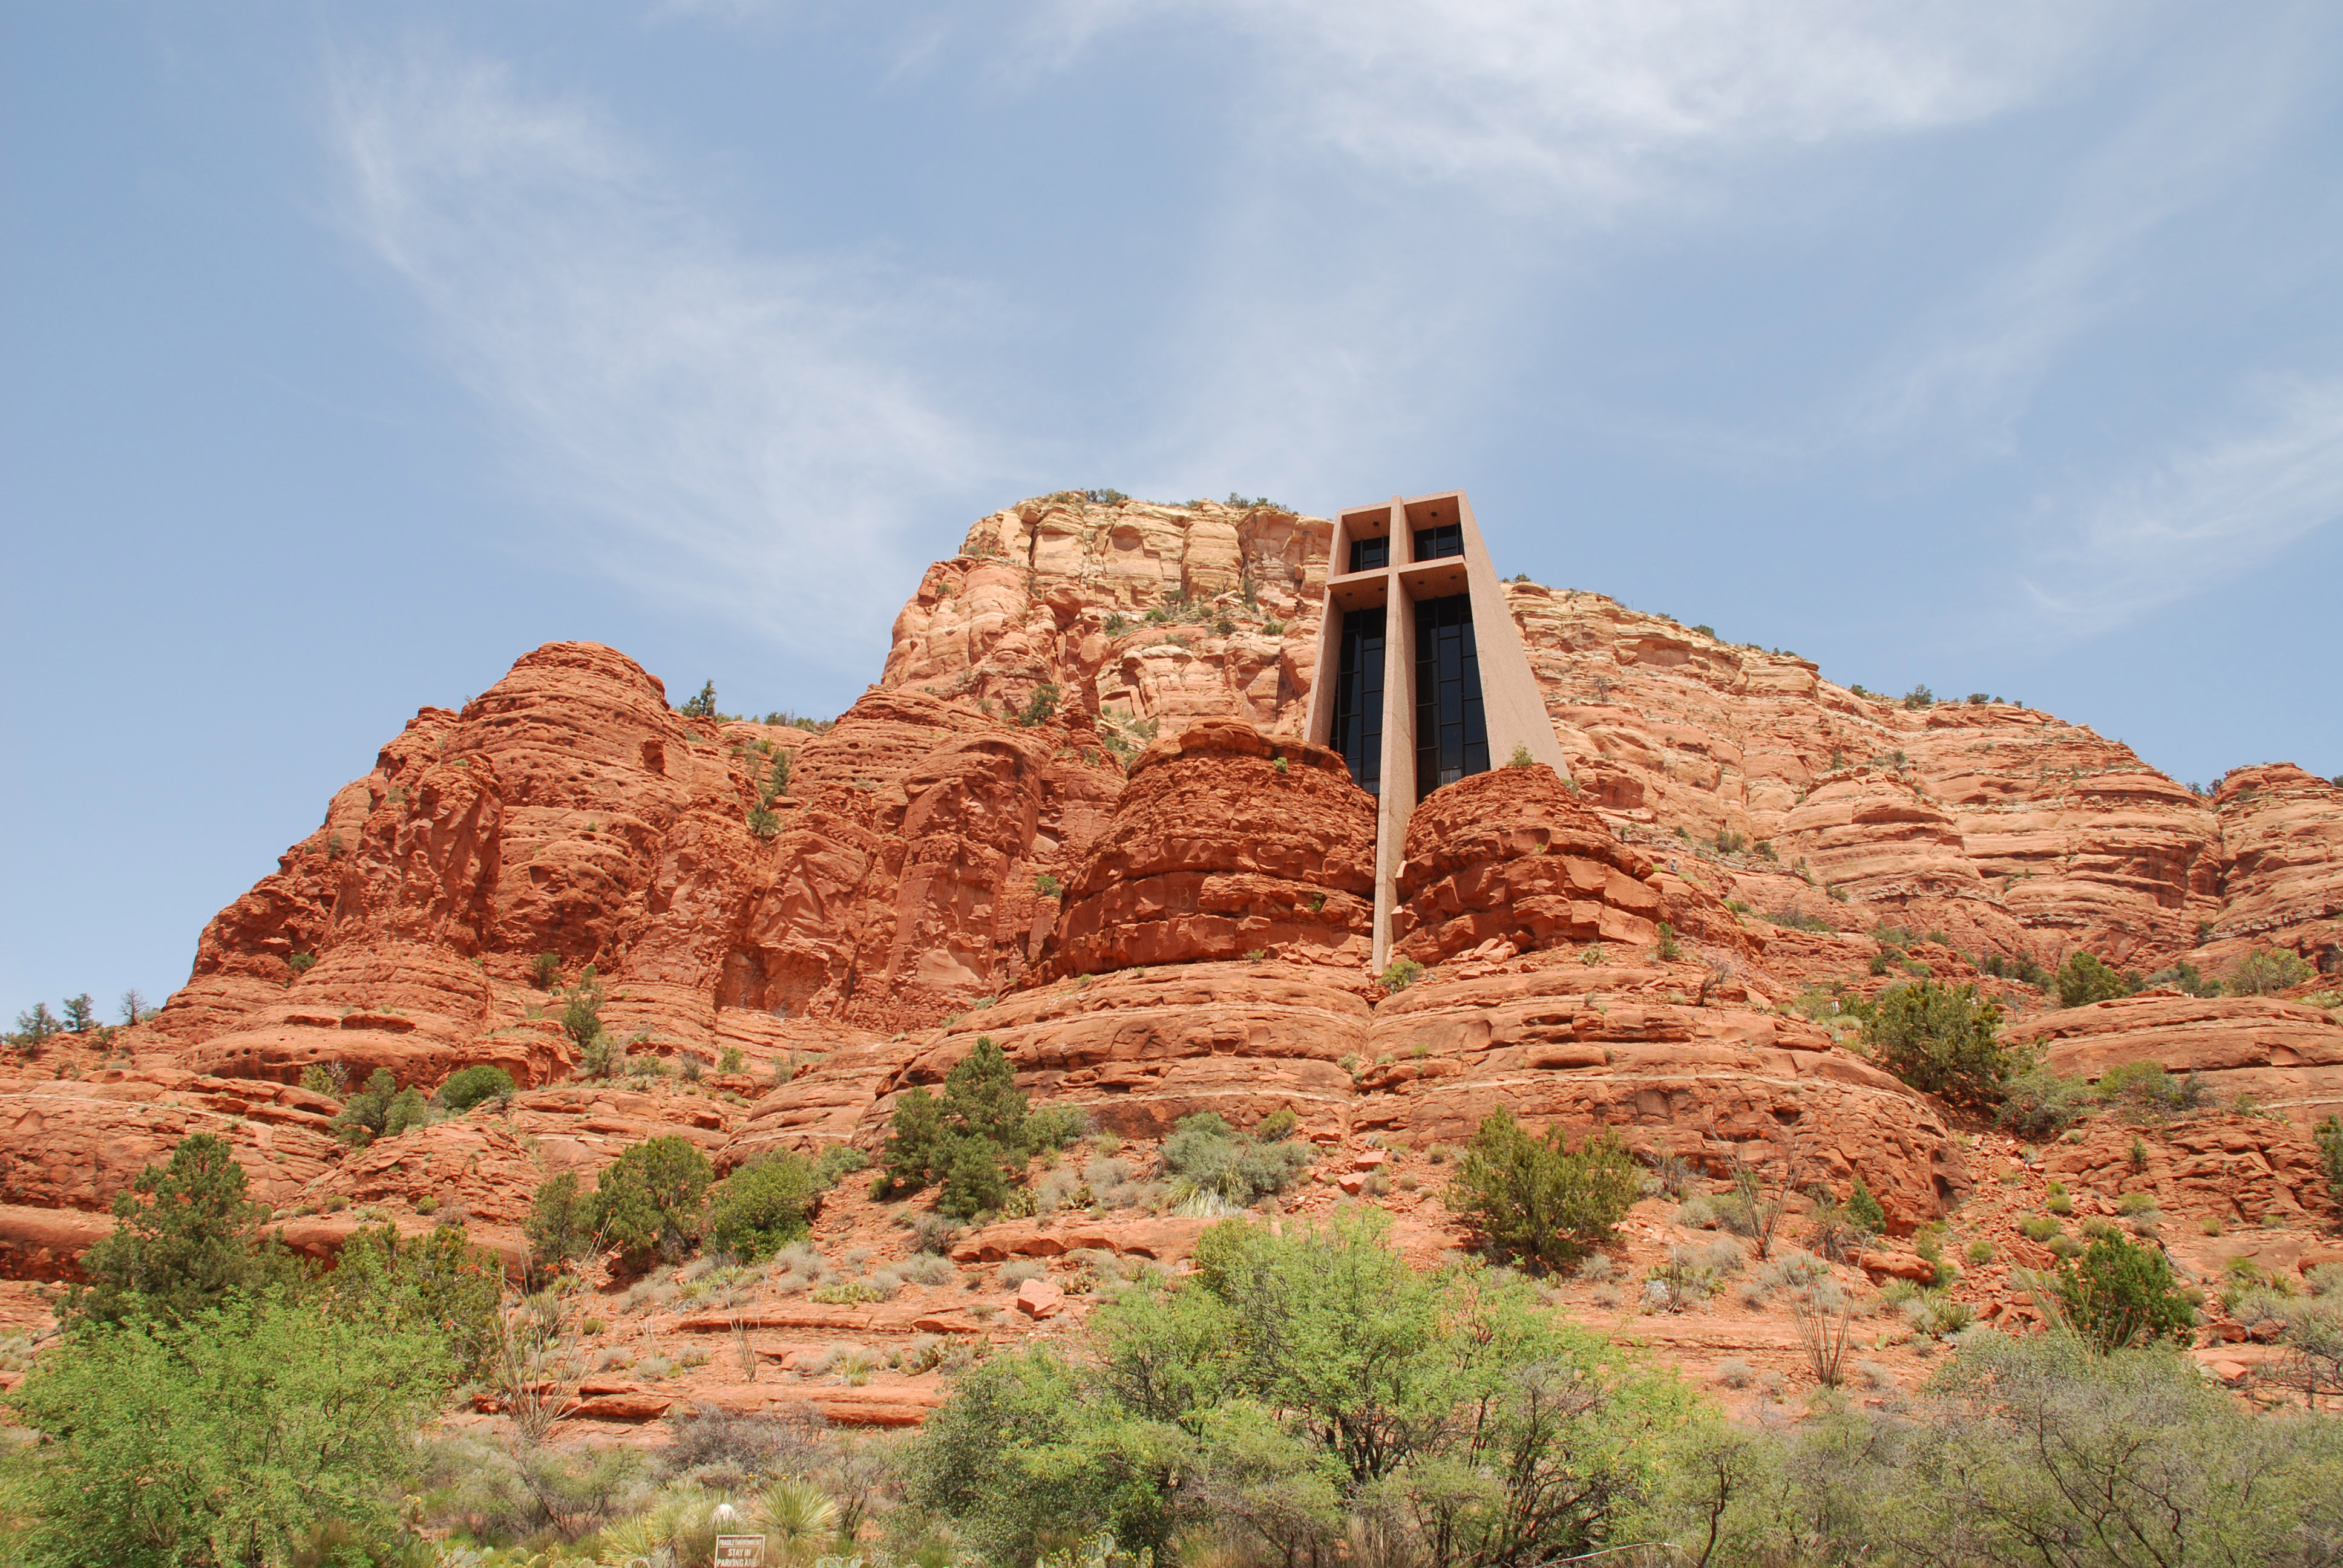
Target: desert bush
column 963, row 1141
column 762, row 1206
column 1942, row 1040
column 380, row 1109
column 1534, row 1199
column 1205, row 1156
column 2039, row 1104
column 2267, row 971
column 1401, row 973
column 2118, row 1295
column 560, row 1224
column 438, row 1284
column 236, row 1435
column 2020, row 1450
column 468, row 1087
column 650, row 1202
column 2084, row 979
column 1312, row 1386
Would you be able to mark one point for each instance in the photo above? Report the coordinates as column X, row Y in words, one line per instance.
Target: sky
column 349, row 351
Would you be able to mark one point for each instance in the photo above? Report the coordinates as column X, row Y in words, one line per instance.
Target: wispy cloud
column 1601, row 99
column 2210, row 513
column 730, row 427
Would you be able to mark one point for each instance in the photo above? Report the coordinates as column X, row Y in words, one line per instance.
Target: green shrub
column 1313, row 1386
column 2267, row 971
column 581, row 1011
column 561, row 1223
column 928, row 1140
column 468, row 1087
column 380, row 1109
column 1667, row 947
column 240, row 1436
column 1401, row 973
column 1211, row 1160
column 702, row 705
column 1940, row 1039
column 763, row 1206
column 1534, row 1199
column 2118, row 1295
column 837, row 1163
column 1862, row 1210
column 545, row 969
column 2183, row 976
column 2083, row 980
column 439, row 1285
column 2040, row 1104
column 649, row 1202
column 186, row 1237
column 974, row 1181
column 2330, row 1136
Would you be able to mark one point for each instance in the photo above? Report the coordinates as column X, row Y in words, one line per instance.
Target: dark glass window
column 1359, row 697
column 1452, row 733
column 1369, row 555
column 1431, row 544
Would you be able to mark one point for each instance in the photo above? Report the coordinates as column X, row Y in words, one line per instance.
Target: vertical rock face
column 2281, row 877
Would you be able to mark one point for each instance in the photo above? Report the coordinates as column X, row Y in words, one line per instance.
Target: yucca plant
column 797, row 1516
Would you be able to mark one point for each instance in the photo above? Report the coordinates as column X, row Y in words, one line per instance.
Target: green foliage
column 468, row 1087
column 2184, row 977
column 2146, row 1089
column 2329, row 1135
column 2118, row 1296
column 1040, row 706
column 2267, row 971
column 581, row 1009
column 1666, row 945
column 973, row 1180
column 1300, row 1392
column 35, row 1027
column 702, row 705
column 1401, row 973
column 1216, row 1167
column 1536, row 1200
column 233, row 1437
column 186, row 1237
column 777, row 779
column 763, row 822
column 837, row 1163
column 380, row 1109
column 1521, row 757
column 919, row 1144
column 2039, row 1104
column 2083, row 979
column 2021, row 1451
column 1048, row 885
column 649, row 1202
column 1942, row 1040
column 1862, row 1210
column 762, row 1207
column 80, row 1014
column 561, row 1223
column 438, row 1285
column 545, row 970
column 1919, row 697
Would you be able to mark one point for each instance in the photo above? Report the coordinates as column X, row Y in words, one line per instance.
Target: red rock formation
column 2281, row 878
column 1223, row 844
column 2284, row 1056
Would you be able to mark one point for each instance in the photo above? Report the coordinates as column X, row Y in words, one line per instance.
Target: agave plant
column 679, row 1530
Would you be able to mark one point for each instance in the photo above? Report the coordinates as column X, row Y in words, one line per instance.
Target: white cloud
column 1602, row 98
column 739, row 429
column 2209, row 514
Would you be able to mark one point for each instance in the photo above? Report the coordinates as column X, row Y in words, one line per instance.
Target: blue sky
column 350, row 351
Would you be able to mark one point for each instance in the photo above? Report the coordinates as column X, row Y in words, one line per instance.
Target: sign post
column 739, row 1551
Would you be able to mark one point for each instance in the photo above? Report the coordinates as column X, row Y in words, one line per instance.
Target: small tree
column 702, row 705
column 80, row 1016
column 1940, row 1039
column 1533, row 1199
column 975, row 1183
column 581, row 1011
column 2083, row 980
column 777, row 781
column 134, row 1008
column 186, row 1236
column 1862, row 1210
column 918, row 1146
column 981, row 1099
column 380, row 1109
column 35, row 1027
column 2330, row 1134
column 545, row 970
column 2118, row 1295
column 650, row 1201
column 561, row 1223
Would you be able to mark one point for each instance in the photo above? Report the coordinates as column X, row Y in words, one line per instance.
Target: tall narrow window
column 1451, row 733
column 1370, row 555
column 1359, row 697
column 1432, row 544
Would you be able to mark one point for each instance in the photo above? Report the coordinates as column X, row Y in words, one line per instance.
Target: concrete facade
column 1513, row 707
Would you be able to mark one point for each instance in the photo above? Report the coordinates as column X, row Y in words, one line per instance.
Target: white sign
column 739, row 1551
